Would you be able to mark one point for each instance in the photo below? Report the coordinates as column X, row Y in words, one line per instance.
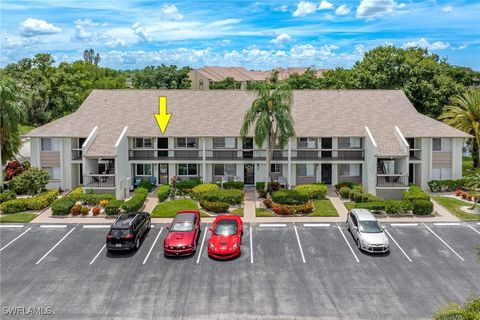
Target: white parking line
column 96, row 256
column 46, row 254
column 11, row 225
column 53, row 226
column 201, row 246
column 251, row 246
column 406, row 255
column 313, row 225
column 446, row 224
column 273, row 225
column 472, row 228
column 451, row 249
column 348, row 244
column 15, row 239
column 299, row 243
column 478, row 223
column 153, row 244
column 403, row 224
column 96, row 226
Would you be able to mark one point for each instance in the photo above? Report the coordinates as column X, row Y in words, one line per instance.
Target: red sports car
column 226, row 237
column 183, row 233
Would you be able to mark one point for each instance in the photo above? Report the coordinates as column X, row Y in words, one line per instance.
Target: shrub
column 163, row 192
column 146, row 185
column 76, row 210
column 422, row 207
column 234, row 185
column 89, row 198
column 30, row 182
column 446, row 185
column 358, row 196
column 262, row 193
column 372, row 198
column 136, row 201
column 7, row 195
column 187, row 184
column 415, row 193
column 344, row 191
column 113, row 207
column 397, row 206
column 287, row 209
column 313, row 191
column 260, row 186
column 14, row 168
column 84, row 211
column 103, row 202
column 41, row 201
column 13, row 206
column 216, row 207
column 96, row 211
column 62, row 206
column 273, row 186
column 201, row 188
column 229, row 196
column 289, row 197
column 343, row 184
column 373, row 206
column 267, row 203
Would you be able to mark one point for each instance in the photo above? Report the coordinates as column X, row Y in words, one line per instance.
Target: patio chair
column 137, row 182
column 153, row 180
column 282, row 181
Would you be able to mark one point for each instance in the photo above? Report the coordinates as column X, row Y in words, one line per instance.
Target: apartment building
column 202, row 78
column 372, row 137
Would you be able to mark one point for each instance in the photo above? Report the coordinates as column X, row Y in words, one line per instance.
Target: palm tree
column 464, row 114
column 271, row 119
column 473, row 182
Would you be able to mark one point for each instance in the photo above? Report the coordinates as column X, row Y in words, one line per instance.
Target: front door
column 327, row 173
column 249, row 173
column 163, row 173
column 411, row 173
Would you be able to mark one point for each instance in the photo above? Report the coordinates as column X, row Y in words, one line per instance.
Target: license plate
column 118, row 245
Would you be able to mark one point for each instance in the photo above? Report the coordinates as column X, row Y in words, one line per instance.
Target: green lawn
column 349, row 205
column 168, row 209
column 18, row 217
column 238, row 212
column 261, row 212
column 24, row 129
column 324, row 208
column 453, row 205
column 467, row 165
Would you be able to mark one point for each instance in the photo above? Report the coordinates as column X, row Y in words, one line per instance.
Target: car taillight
column 130, row 236
column 109, row 236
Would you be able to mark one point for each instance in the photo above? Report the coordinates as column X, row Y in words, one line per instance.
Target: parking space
column 305, row 270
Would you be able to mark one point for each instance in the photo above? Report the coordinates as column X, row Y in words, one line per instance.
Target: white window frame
column 54, row 173
column 228, row 143
column 354, row 170
column 186, row 143
column 44, row 140
column 189, row 166
column 143, row 140
column 311, row 143
column 308, row 173
column 439, row 140
column 232, row 167
column 277, row 168
column 144, row 169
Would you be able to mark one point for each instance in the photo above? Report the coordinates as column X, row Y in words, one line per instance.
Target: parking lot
column 286, row 271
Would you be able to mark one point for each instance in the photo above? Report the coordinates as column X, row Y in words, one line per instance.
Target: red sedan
column 183, row 233
column 226, row 237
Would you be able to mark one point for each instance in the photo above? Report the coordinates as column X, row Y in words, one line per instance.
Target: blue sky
column 254, row 34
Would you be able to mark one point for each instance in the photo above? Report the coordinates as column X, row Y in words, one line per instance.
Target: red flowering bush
column 288, row 209
column 14, row 168
column 95, row 211
column 76, row 210
column 458, row 192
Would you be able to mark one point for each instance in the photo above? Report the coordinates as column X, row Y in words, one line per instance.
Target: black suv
column 127, row 231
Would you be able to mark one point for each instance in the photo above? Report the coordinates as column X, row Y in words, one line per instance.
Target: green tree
column 306, row 80
column 30, row 182
column 470, row 310
column 473, row 182
column 11, row 115
column 228, row 83
column 464, row 114
column 161, row 77
column 270, row 118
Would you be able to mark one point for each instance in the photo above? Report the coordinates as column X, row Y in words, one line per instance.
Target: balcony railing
column 99, row 180
column 246, row 154
column 76, row 154
column 415, row 154
column 392, row 180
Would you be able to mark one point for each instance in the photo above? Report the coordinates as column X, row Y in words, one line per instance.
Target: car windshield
column 119, row 232
column 181, row 226
column 226, row 228
column 370, row 227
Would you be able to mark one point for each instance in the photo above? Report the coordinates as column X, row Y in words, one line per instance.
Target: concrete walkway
column 249, row 204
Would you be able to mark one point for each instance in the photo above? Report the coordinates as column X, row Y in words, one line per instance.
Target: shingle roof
column 219, row 113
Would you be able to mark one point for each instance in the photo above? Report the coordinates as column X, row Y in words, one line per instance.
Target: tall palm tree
column 464, row 114
column 271, row 119
column 473, row 182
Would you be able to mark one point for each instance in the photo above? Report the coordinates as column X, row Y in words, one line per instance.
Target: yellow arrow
column 162, row 116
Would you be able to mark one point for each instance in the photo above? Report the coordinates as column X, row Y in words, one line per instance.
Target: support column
column 204, row 159
column 289, row 170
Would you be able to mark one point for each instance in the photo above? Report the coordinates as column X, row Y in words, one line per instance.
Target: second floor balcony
column 99, row 180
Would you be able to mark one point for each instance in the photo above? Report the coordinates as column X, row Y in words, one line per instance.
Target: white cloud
column 117, row 42
column 302, row 51
column 324, row 5
column 342, row 10
column 171, row 12
column 282, row 8
column 33, row 27
column 447, row 9
column 224, row 22
column 371, row 9
column 304, row 8
column 402, row 5
column 140, row 31
column 16, row 42
column 90, row 23
column 281, row 39
column 424, row 43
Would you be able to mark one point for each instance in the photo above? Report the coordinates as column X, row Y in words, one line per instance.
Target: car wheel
column 348, row 226
column 359, row 246
column 149, row 224
column 137, row 243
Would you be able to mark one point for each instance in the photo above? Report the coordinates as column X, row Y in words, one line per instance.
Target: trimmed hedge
column 7, row 195
column 217, row 207
column 313, row 191
column 292, row 197
column 229, row 196
column 113, row 207
column 446, row 185
column 343, row 184
column 344, row 192
column 62, row 206
column 260, row 186
column 397, row 206
column 41, row 201
column 163, row 192
column 136, row 201
column 373, row 206
column 89, row 197
column 262, row 193
column 234, row 185
column 422, row 207
column 415, row 193
column 146, row 185
column 287, row 209
column 184, row 185
column 202, row 188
